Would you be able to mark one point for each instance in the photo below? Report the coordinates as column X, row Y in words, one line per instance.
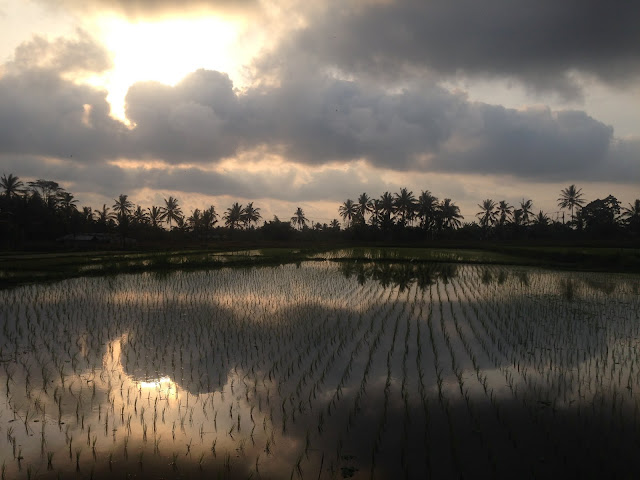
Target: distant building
column 94, row 240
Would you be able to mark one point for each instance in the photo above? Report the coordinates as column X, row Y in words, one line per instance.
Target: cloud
column 137, row 9
column 540, row 43
column 309, row 119
column 76, row 55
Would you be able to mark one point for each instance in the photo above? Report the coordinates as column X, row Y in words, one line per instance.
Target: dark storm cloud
column 308, row 118
column 197, row 120
column 42, row 114
column 539, row 42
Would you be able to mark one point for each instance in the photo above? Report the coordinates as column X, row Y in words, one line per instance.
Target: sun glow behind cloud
column 163, row 51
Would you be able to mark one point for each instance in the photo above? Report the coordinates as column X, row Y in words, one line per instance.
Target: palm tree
column 335, row 224
column 104, row 216
column 526, row 206
column 505, row 211
column 363, row 206
column 250, row 214
column 299, row 219
column 571, row 198
column 487, row 213
column 348, row 210
column 195, row 220
column 541, row 219
column 450, row 215
column 11, row 185
column 632, row 215
column 66, row 203
column 404, row 204
column 233, row 216
column 426, row 210
column 140, row 217
column 155, row 216
column 123, row 206
column 171, row 211
column 209, row 217
column 386, row 209
column 87, row 214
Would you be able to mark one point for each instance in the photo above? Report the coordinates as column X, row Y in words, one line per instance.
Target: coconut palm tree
column 505, row 211
column 171, row 211
column 363, row 206
column 66, row 203
column 541, row 219
column 487, row 214
column 335, row 224
column 386, row 209
column 233, row 216
column 631, row 212
column 140, row 217
column 104, row 216
column 11, row 185
column 571, row 197
column 348, row 210
column 195, row 220
column 209, row 217
column 155, row 216
column 87, row 214
column 299, row 219
column 527, row 213
column 250, row 214
column 404, row 204
column 450, row 217
column 123, row 206
column 426, row 211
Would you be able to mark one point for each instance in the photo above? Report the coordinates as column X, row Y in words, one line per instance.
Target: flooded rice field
column 322, row 370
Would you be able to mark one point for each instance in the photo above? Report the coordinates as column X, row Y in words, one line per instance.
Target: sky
column 289, row 103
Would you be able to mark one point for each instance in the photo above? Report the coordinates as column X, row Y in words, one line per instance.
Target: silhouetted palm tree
column 87, row 214
column 386, row 208
column 348, row 210
column 209, row 217
column 123, row 206
column 404, row 204
column 233, row 216
column 363, row 206
column 11, row 185
column 140, row 217
column 195, row 220
column 427, row 210
column 570, row 198
column 631, row 215
column 541, row 219
column 171, row 211
column 335, row 224
column 527, row 213
column 505, row 211
column 66, row 203
column 104, row 216
column 487, row 214
column 450, row 215
column 299, row 219
column 155, row 216
column 250, row 214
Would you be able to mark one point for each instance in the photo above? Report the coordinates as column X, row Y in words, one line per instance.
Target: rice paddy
column 322, row 370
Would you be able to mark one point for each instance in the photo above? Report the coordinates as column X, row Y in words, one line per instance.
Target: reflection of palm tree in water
column 401, row 275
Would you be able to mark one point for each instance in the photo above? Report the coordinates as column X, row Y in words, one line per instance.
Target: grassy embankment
column 33, row 267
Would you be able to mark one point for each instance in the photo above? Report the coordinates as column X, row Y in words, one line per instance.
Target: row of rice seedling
column 321, row 370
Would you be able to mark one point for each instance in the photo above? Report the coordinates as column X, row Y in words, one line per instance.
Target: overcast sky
column 291, row 103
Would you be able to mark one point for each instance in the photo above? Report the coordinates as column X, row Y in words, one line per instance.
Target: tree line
column 42, row 210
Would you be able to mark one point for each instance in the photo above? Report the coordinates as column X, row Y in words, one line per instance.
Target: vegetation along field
column 322, row 369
